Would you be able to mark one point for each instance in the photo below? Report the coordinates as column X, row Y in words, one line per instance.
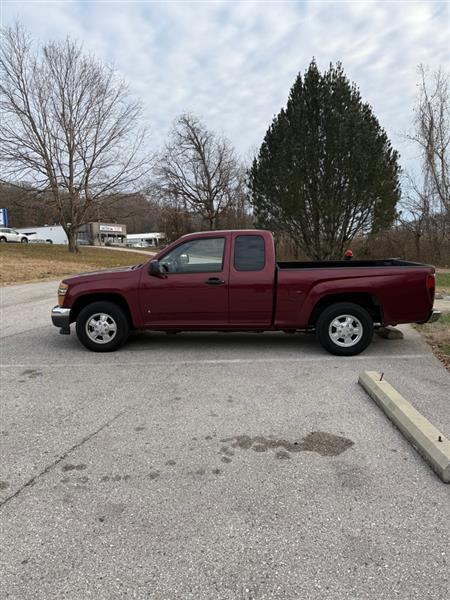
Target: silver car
column 11, row 235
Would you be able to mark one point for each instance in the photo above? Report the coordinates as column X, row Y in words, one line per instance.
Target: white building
column 52, row 234
column 144, row 240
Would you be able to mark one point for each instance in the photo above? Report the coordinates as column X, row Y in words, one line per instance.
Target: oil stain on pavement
column 32, row 373
column 68, row 467
column 321, row 442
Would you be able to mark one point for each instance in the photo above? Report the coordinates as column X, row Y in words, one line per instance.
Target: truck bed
column 395, row 289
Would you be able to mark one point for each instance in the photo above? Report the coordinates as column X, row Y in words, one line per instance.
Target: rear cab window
column 249, row 253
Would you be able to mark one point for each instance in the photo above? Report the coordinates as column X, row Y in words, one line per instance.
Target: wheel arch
column 86, row 299
column 369, row 302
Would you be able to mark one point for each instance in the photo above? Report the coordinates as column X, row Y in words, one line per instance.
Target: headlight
column 62, row 291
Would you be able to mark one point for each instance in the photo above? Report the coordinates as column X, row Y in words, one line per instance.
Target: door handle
column 214, row 281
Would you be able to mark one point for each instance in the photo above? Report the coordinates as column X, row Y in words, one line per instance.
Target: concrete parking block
column 424, row 436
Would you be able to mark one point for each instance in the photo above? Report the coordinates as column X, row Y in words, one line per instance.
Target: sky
column 232, row 63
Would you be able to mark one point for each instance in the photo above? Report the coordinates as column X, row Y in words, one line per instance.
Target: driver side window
column 204, row 255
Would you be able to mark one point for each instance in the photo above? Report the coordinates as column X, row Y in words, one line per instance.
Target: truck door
column 192, row 290
column 252, row 275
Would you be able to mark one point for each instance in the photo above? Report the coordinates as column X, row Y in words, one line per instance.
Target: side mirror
column 155, row 268
column 183, row 259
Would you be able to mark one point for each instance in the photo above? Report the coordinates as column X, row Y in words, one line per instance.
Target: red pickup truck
column 231, row 281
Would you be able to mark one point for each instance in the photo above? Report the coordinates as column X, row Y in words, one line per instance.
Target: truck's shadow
column 213, row 344
column 212, row 341
column 217, row 345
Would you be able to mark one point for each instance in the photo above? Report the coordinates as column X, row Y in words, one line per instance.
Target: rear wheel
column 2, row 240
column 345, row 329
column 102, row 327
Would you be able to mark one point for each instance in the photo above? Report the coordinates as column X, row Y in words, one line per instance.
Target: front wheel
column 344, row 329
column 24, row 240
column 2, row 240
column 102, row 327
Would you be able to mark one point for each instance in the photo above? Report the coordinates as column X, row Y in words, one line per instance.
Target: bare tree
column 426, row 200
column 68, row 126
column 416, row 209
column 432, row 131
column 200, row 170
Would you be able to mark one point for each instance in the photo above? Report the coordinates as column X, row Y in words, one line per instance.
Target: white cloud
column 233, row 63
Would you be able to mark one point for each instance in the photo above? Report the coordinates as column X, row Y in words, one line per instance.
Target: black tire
column 328, row 335
column 3, row 240
column 115, row 315
column 49, row 241
column 24, row 240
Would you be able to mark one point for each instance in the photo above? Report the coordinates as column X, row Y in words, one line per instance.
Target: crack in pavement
column 60, row 458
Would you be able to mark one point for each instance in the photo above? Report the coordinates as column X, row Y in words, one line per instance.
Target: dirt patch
column 23, row 263
column 437, row 334
column 321, row 442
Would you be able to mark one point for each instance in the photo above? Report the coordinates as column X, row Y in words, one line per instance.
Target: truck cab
column 215, row 279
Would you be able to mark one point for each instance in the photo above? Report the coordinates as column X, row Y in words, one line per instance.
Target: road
column 191, row 466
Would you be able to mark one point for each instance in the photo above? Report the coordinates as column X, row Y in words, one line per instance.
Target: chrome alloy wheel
column 101, row 328
column 345, row 330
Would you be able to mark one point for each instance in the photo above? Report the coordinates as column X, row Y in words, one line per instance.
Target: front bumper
column 61, row 318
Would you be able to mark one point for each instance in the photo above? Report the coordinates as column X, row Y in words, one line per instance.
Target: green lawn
column 443, row 282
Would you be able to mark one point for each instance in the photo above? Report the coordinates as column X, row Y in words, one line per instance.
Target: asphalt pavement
column 213, row 466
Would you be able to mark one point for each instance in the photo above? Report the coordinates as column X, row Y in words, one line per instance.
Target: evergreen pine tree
column 326, row 170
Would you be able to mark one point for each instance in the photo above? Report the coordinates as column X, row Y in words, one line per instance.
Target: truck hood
column 115, row 273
